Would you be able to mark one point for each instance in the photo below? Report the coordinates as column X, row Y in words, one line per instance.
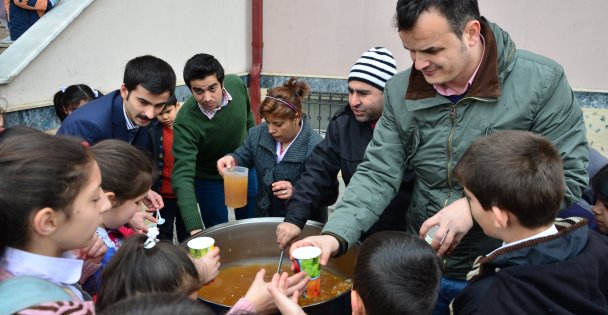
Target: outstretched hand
column 278, row 288
column 260, row 297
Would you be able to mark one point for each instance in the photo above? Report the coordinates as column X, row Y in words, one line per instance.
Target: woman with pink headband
column 278, row 148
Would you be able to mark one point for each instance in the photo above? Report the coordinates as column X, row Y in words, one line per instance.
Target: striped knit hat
column 374, row 67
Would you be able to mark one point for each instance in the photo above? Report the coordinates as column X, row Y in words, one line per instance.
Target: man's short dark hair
column 154, row 74
column 457, row 12
column 201, row 66
column 517, row 171
column 396, row 273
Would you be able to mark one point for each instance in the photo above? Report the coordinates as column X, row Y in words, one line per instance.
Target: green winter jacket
column 513, row 89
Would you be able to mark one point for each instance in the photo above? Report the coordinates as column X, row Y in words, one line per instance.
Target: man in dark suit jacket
column 125, row 114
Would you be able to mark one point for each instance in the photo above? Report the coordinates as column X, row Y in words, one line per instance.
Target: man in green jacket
column 211, row 123
column 467, row 80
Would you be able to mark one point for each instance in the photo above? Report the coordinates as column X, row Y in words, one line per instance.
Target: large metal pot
column 256, row 239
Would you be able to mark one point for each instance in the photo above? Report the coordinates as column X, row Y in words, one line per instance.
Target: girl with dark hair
column 599, row 183
column 278, row 148
column 69, row 99
column 146, row 265
column 51, row 203
column 127, row 175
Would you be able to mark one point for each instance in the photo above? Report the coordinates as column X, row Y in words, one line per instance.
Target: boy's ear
column 46, row 221
column 501, row 218
column 356, row 303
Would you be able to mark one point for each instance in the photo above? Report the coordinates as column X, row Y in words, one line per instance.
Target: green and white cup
column 200, row 246
column 308, row 260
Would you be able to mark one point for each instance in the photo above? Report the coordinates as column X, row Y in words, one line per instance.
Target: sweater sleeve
column 185, row 150
column 318, row 183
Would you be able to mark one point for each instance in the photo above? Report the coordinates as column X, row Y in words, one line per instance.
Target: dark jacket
column 259, row 151
column 101, row 119
column 342, row 150
column 565, row 273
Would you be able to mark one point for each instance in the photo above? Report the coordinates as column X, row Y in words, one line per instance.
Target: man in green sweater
column 212, row 123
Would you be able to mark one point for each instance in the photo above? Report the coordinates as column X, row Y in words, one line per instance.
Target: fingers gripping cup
column 431, row 233
column 307, row 259
column 200, row 246
column 235, row 186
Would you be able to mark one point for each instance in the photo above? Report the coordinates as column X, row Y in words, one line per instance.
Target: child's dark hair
column 172, row 101
column 599, row 184
column 292, row 93
column 201, row 66
column 126, row 171
column 136, row 270
column 516, row 171
column 396, row 273
column 68, row 99
column 152, row 73
column 157, row 304
column 37, row 170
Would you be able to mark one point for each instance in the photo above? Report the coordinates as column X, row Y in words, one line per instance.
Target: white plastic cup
column 200, row 246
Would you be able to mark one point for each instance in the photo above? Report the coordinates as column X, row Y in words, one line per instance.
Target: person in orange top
column 160, row 145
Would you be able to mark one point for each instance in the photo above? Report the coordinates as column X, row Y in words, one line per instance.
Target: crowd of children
column 513, row 182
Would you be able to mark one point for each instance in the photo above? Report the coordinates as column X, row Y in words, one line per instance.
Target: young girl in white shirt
column 51, row 203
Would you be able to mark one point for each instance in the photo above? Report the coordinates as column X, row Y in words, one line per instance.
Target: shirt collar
column 63, row 270
column 130, row 124
column 278, row 144
column 550, row 231
column 226, row 98
column 446, row 91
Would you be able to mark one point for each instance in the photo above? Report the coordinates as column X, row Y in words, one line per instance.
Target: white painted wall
column 96, row 46
column 311, row 37
column 325, row 37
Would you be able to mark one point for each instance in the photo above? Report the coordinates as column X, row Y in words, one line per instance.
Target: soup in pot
column 233, row 282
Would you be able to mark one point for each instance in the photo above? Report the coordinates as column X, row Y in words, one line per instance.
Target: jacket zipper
column 452, row 129
column 453, row 115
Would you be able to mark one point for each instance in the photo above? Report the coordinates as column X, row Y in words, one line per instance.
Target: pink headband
column 284, row 102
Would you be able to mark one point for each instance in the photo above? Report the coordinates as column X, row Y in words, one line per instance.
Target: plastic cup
column 307, row 259
column 200, row 246
column 235, row 186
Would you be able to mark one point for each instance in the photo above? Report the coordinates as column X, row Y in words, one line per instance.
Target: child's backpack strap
column 22, row 292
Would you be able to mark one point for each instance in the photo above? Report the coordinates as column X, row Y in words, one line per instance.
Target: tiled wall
column 594, row 104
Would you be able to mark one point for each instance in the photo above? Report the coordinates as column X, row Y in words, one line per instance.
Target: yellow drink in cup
column 235, row 186
column 307, row 260
column 200, row 246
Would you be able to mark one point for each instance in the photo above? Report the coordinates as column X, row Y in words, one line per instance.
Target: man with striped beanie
column 348, row 134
